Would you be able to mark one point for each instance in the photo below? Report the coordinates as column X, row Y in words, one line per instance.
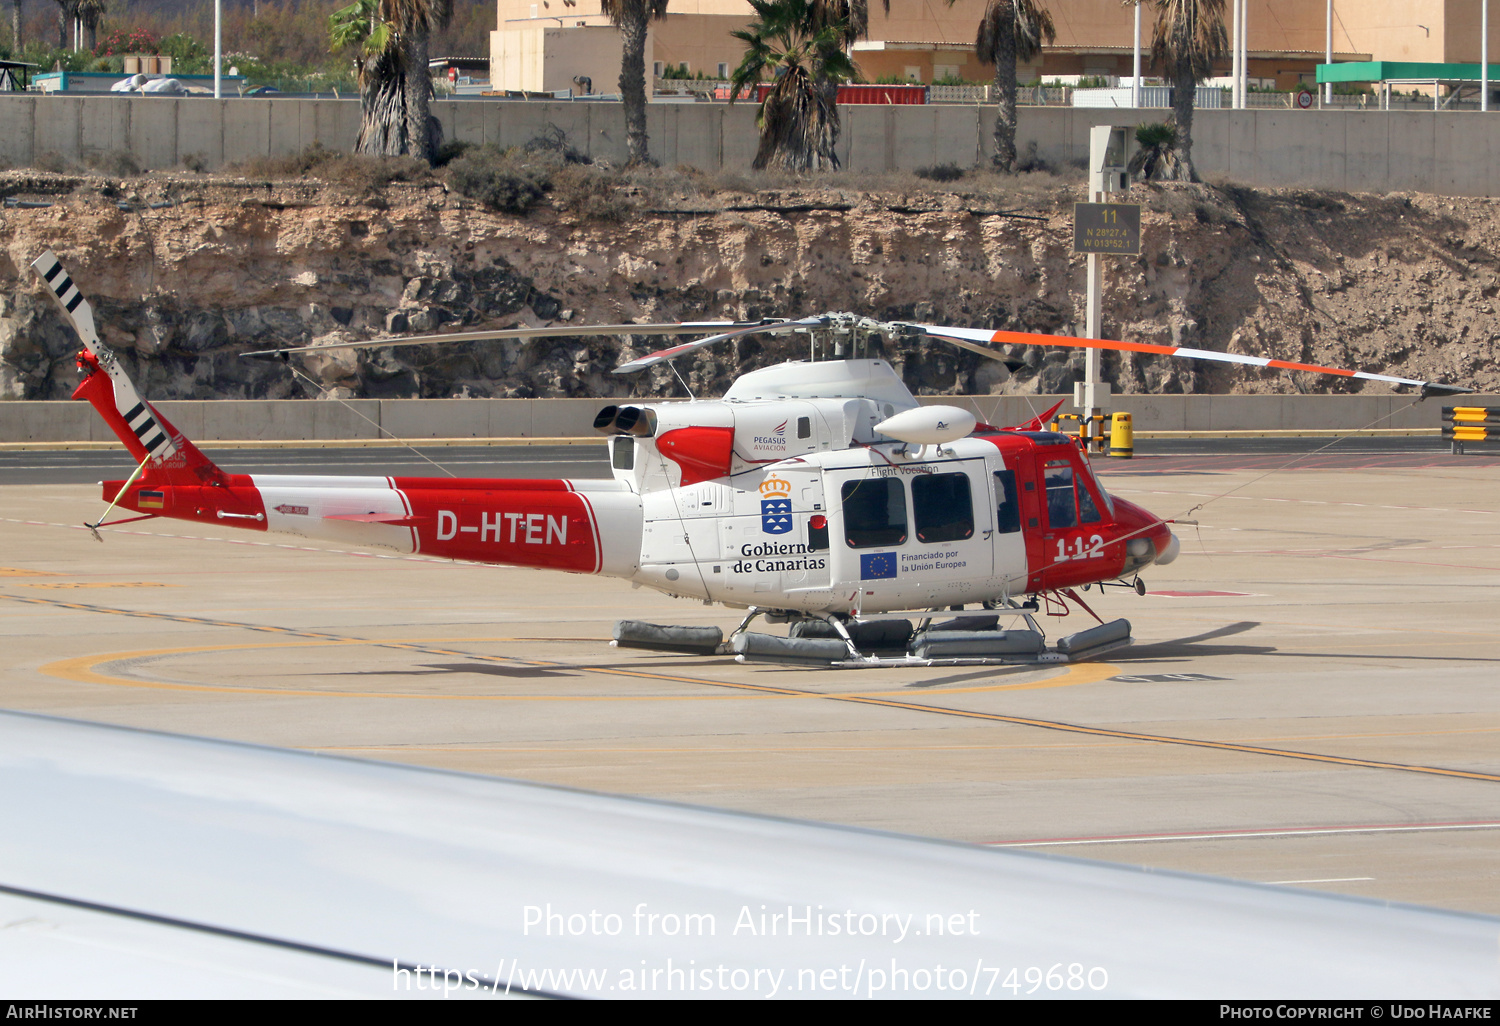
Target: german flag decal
column 149, row 500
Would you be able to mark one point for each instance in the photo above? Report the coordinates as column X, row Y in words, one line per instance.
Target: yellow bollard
column 1121, row 436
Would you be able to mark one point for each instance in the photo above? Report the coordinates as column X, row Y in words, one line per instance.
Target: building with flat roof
column 543, row 44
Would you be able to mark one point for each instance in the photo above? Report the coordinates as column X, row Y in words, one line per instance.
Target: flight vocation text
column 750, row 564
column 513, row 528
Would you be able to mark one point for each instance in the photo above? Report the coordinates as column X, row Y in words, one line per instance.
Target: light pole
column 1244, row 53
column 1484, row 55
column 1234, row 55
column 1135, row 81
column 218, row 48
column 1328, row 86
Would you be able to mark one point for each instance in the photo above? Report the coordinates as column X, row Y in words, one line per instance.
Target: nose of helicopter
column 1138, row 523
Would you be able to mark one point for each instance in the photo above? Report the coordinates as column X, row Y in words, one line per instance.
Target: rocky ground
column 188, row 271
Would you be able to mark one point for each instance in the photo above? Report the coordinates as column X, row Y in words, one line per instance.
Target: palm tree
column 1188, row 40
column 15, row 25
column 90, row 13
column 633, row 18
column 1156, row 157
column 1010, row 31
column 851, row 20
column 394, row 84
column 799, row 119
column 67, row 10
column 415, row 21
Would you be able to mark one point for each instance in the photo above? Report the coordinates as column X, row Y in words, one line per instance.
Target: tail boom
column 591, row 527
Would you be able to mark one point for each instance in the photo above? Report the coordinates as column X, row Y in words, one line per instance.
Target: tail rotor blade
column 138, row 414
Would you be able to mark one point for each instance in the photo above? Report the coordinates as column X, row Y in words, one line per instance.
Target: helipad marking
column 80, row 667
column 83, row 670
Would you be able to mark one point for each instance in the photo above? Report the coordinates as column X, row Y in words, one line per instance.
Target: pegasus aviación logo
column 775, row 441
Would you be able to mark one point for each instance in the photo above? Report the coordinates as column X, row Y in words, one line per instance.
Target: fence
column 1448, row 152
column 311, row 419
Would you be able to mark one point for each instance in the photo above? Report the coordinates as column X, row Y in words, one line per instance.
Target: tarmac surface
column 1313, row 697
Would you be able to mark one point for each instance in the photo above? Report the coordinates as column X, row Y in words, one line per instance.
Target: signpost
column 1101, row 228
column 1113, row 228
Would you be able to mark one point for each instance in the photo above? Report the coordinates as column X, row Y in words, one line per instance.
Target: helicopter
column 814, row 493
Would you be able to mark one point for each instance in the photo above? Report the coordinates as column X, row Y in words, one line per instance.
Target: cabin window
column 1088, row 483
column 1088, row 512
column 1062, row 508
column 1007, row 509
column 622, row 452
column 943, row 507
column 874, row 512
column 804, row 427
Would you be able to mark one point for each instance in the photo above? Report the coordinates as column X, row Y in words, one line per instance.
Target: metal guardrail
column 1463, row 424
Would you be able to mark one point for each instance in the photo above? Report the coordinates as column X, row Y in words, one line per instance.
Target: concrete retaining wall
column 1374, row 151
column 1235, row 412
column 291, row 420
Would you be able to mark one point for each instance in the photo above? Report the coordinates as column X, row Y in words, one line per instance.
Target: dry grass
column 351, row 170
column 506, row 181
column 114, row 164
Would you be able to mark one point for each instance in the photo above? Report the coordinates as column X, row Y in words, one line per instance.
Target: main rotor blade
column 971, row 339
column 769, row 327
column 551, row 331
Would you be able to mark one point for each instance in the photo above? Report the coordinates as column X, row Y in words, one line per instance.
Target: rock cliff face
column 187, row 272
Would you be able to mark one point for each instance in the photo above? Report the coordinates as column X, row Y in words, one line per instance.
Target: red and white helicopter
column 816, row 493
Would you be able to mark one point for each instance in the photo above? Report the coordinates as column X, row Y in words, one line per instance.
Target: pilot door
column 1007, row 540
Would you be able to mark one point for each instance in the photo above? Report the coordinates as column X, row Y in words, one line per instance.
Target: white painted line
column 1217, row 835
column 1331, row 879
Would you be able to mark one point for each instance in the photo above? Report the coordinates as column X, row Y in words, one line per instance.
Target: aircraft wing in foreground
column 137, row 865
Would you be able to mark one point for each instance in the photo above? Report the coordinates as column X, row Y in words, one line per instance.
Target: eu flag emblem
column 776, row 516
column 874, row 566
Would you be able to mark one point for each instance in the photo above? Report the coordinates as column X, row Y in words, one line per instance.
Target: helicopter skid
column 892, row 662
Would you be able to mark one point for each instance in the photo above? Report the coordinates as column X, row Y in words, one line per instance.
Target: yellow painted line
column 1078, row 673
column 865, row 748
column 83, row 670
column 1224, row 746
column 754, row 750
column 1373, row 734
column 101, row 584
column 793, row 749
